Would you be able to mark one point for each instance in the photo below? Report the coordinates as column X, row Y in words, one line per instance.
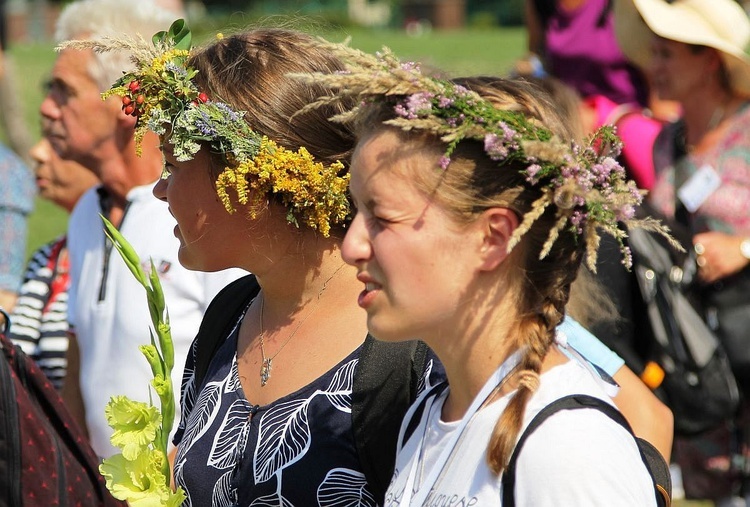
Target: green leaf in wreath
column 178, row 33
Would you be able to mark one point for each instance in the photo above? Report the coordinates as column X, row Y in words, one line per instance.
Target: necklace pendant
column 265, row 372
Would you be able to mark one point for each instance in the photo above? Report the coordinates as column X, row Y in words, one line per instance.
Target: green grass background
column 458, row 53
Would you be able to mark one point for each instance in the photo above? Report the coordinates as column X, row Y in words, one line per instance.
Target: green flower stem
column 154, row 360
column 157, row 293
column 125, row 250
column 168, row 410
column 161, row 357
column 164, row 332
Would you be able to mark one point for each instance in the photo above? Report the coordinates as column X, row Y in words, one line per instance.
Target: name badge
column 694, row 192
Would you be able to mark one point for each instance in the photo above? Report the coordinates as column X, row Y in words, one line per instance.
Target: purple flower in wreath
column 578, row 219
column 444, row 162
column 415, row 105
column 494, row 147
column 203, row 124
column 626, row 213
column 531, row 173
column 228, row 111
column 603, row 170
column 460, row 91
column 410, row 66
column 445, row 102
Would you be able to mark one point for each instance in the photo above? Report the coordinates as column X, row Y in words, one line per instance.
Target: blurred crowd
column 671, row 76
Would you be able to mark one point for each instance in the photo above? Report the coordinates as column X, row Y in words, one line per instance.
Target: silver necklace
column 267, row 361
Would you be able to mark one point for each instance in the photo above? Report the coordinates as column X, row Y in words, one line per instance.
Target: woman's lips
column 367, row 296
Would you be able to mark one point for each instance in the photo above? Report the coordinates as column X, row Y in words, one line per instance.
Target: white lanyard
column 425, row 487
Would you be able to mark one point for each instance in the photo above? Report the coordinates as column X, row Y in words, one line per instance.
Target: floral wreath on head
column 586, row 183
column 163, row 96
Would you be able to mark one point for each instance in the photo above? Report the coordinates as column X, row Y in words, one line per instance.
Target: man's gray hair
column 94, row 19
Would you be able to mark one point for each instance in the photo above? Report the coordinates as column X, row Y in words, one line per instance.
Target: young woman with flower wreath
column 271, row 420
column 472, row 220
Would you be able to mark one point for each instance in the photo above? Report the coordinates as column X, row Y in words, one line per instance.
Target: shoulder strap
column 413, row 416
column 221, row 315
column 385, row 384
column 655, row 463
column 4, row 320
column 620, row 111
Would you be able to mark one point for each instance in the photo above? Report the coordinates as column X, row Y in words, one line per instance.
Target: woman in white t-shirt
column 472, row 220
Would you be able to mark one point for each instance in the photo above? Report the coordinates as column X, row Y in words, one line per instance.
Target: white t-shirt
column 576, row 457
column 110, row 313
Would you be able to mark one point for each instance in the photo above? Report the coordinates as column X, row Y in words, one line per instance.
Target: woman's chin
column 186, row 260
column 387, row 333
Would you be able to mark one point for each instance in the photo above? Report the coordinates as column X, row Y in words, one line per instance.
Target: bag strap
column 413, row 416
column 620, row 111
column 680, row 152
column 10, row 446
column 657, row 467
column 220, row 317
column 674, row 322
column 386, row 382
column 5, row 321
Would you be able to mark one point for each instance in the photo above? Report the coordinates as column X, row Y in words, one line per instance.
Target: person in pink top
column 575, row 40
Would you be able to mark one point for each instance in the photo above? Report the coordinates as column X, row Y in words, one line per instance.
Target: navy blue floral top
column 298, row 450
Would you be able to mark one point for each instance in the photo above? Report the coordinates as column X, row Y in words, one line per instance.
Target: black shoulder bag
column 698, row 381
column 45, row 458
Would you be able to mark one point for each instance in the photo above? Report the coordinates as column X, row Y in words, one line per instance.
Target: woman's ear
column 497, row 225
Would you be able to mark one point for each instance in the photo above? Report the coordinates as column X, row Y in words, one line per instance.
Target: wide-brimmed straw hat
column 719, row 24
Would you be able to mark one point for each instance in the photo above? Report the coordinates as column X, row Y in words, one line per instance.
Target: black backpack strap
column 655, row 463
column 5, row 321
column 220, row 317
column 416, row 412
column 385, row 384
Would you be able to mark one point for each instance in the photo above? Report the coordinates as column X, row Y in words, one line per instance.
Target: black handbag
column 699, row 385
column 726, row 307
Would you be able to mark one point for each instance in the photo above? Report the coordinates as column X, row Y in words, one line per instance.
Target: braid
column 503, row 440
column 541, row 313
